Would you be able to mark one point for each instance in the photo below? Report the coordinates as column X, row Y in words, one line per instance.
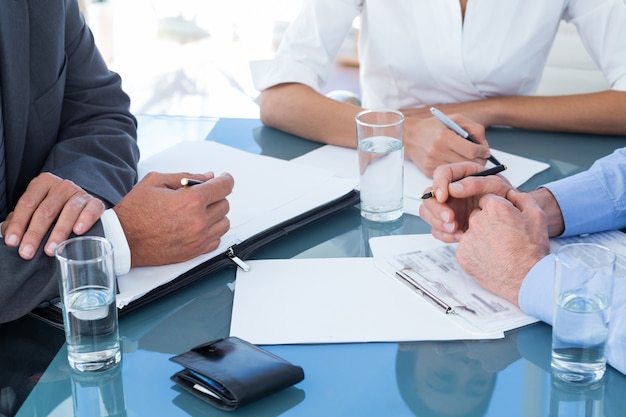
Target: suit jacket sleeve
column 79, row 128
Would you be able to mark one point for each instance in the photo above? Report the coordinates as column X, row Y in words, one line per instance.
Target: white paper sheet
column 344, row 162
column 267, row 191
column 334, row 300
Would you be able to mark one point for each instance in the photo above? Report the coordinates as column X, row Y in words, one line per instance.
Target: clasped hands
column 501, row 232
column 163, row 221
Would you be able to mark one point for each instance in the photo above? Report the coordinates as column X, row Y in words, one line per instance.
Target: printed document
column 615, row 240
column 436, row 273
column 433, row 265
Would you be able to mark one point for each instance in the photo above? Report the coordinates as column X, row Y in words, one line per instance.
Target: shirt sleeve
column 616, row 344
column 96, row 138
column 309, row 46
column 113, row 231
column 600, row 24
column 594, row 200
column 536, row 296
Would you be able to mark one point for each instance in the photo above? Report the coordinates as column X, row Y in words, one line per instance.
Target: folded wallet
column 230, row 373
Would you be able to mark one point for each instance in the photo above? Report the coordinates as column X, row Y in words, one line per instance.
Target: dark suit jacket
column 64, row 112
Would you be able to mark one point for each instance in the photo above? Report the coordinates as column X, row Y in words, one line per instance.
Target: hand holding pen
column 457, row 197
column 458, row 130
column 491, row 171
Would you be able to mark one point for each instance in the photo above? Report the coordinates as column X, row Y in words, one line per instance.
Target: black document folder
column 52, row 313
column 271, row 199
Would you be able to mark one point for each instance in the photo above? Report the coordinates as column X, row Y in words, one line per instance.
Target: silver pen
column 458, row 130
column 429, row 295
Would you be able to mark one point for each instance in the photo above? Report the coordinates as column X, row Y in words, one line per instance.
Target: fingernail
column 438, row 194
column 457, row 236
column 12, row 240
column 51, row 247
column 445, row 216
column 448, row 226
column 79, row 228
column 27, row 251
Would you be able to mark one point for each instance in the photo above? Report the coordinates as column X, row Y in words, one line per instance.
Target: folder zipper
column 230, row 252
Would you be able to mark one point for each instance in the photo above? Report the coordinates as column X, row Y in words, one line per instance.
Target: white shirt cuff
column 114, row 232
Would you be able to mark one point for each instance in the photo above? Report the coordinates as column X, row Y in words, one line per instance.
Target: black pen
column 458, row 130
column 190, row 181
column 491, row 171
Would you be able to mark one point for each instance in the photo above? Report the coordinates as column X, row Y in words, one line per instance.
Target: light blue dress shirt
column 591, row 201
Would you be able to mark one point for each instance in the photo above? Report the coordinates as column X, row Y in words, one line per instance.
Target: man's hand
column 456, row 195
column 165, row 222
column 49, row 199
column 429, row 143
column 505, row 238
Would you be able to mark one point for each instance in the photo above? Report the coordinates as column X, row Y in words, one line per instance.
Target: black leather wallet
column 230, row 373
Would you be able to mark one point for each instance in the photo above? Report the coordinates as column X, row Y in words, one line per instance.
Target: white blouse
column 421, row 52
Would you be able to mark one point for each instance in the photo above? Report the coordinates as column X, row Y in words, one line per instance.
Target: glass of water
column 381, row 163
column 583, row 294
column 87, row 286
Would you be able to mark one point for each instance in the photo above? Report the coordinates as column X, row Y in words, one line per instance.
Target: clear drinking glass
column 381, row 163
column 583, row 295
column 88, row 286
